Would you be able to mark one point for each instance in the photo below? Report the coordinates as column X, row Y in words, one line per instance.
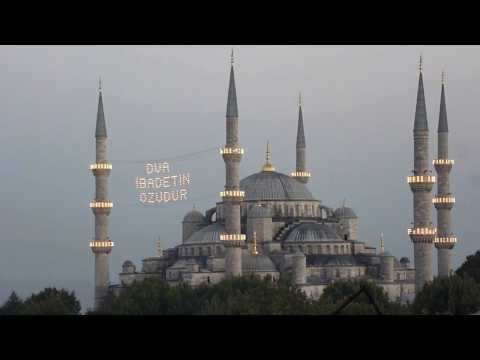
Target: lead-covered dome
column 194, row 216
column 311, row 232
column 252, row 263
column 208, row 234
column 272, row 185
column 345, row 213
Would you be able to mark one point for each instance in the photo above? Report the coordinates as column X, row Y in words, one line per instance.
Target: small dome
column 345, row 212
column 207, row 234
column 260, row 211
column 312, row 232
column 254, row 263
column 194, row 216
column 128, row 267
column 405, row 260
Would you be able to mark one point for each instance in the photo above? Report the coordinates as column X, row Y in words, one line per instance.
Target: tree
column 153, row 297
column 471, row 267
column 51, row 301
column 12, row 306
column 448, row 295
column 338, row 292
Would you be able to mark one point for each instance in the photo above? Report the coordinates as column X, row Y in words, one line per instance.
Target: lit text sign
column 160, row 185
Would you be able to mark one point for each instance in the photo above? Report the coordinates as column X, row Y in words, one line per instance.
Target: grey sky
column 163, row 101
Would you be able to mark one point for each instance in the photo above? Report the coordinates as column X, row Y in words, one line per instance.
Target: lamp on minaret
column 300, row 173
column 445, row 240
column 233, row 239
column 421, row 183
column 101, row 245
column 254, row 250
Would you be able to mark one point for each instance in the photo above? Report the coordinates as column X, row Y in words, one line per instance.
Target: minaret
column 101, row 245
column 232, row 196
column 382, row 244
column 300, row 173
column 421, row 183
column 445, row 239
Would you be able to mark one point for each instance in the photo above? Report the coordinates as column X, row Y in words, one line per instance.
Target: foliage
column 239, row 295
column 340, row 291
column 448, row 295
column 471, row 267
column 51, row 301
column 13, row 306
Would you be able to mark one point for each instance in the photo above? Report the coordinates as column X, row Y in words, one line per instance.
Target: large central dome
column 272, row 185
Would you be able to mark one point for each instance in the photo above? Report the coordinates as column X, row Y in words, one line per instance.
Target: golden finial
column 268, row 158
column 443, row 76
column 254, row 252
column 231, row 57
column 300, row 98
column 382, row 244
column 99, row 83
column 420, row 63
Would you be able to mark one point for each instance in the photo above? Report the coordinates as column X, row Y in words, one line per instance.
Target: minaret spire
column 101, row 128
column 442, row 121
column 300, row 173
column 232, row 107
column 421, row 109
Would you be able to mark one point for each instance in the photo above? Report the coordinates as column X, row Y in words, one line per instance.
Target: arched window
column 309, row 249
column 319, row 249
column 328, row 249
column 218, row 250
column 335, row 249
column 191, row 251
column 209, row 251
column 337, row 273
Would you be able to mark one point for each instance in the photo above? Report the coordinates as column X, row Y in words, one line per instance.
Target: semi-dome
column 345, row 212
column 194, row 216
column 259, row 262
column 312, row 231
column 208, row 234
column 272, row 185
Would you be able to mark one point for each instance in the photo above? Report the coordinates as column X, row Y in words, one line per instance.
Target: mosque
column 269, row 223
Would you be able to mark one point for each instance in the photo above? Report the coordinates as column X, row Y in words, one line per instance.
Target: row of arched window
column 337, row 274
column 286, row 210
column 201, row 250
column 322, row 249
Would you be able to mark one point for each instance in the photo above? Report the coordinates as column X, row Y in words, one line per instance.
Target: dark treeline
column 250, row 295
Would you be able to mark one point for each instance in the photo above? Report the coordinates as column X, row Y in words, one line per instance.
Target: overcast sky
column 164, row 101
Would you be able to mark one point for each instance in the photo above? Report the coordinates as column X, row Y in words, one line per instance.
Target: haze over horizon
column 358, row 107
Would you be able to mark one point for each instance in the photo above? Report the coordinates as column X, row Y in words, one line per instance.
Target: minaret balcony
column 232, row 194
column 101, row 204
column 232, row 153
column 422, row 234
column 233, row 239
column 445, row 242
column 443, row 201
column 99, row 246
column 101, row 207
column 421, row 182
column 302, row 174
column 443, row 165
column 101, row 168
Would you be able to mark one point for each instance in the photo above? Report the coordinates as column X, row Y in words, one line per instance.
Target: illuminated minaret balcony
column 444, row 165
column 445, row 242
column 300, row 174
column 233, row 239
column 422, row 234
column 421, row 182
column 101, row 204
column 99, row 246
column 232, row 194
column 101, row 168
column 443, row 201
column 229, row 150
column 101, row 207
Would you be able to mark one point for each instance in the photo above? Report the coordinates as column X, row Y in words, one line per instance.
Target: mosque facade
column 269, row 223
